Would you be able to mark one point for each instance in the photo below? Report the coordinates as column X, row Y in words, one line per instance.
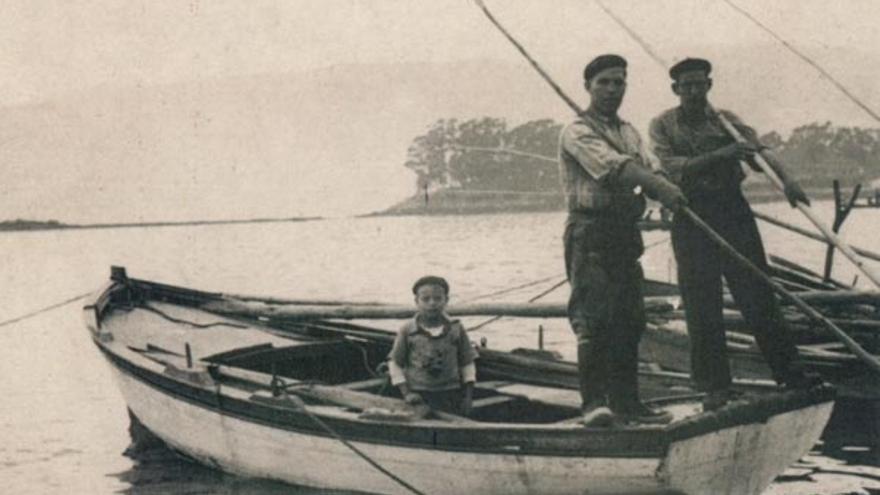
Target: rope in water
column 44, row 310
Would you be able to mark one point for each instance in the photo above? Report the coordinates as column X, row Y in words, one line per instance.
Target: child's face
column 431, row 300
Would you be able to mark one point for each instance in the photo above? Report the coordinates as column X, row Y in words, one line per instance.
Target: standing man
column 602, row 161
column 704, row 160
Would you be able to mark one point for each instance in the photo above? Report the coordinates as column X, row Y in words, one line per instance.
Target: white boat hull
column 738, row 460
column 250, row 449
column 217, row 418
column 744, row 459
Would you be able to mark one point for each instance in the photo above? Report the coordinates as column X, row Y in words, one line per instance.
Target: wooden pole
column 805, row 209
column 806, row 233
column 653, row 304
column 390, row 312
column 835, row 226
column 841, row 212
column 870, row 360
column 850, row 343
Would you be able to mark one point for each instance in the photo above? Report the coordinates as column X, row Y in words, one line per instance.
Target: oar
column 851, row 344
column 805, row 209
column 870, row 360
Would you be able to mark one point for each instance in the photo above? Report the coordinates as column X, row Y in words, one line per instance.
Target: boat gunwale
column 660, row 437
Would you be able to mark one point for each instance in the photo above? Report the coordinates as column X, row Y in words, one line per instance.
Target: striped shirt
column 589, row 164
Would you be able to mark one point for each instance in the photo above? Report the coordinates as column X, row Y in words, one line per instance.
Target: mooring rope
column 43, row 310
column 302, row 406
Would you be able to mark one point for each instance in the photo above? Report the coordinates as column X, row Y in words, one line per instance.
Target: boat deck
column 157, row 330
column 207, row 334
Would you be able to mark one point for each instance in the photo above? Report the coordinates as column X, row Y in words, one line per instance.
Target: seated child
column 432, row 360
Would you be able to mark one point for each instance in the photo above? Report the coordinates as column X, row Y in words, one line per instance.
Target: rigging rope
column 509, row 151
column 806, row 59
column 660, row 61
column 635, row 36
column 533, row 299
column 511, row 289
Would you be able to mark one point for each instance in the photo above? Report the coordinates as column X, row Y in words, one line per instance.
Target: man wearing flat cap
column 704, row 160
column 602, row 162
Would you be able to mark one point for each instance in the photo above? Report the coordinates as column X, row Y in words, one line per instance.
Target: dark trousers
column 701, row 264
column 606, row 309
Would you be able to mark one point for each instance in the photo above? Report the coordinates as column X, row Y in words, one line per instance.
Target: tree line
column 488, row 154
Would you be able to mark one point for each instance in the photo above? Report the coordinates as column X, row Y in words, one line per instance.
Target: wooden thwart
column 339, row 395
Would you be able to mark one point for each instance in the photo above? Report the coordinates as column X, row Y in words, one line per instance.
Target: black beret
column 690, row 64
column 431, row 280
column 601, row 63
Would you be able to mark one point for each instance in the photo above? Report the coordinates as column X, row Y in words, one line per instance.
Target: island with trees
column 486, row 165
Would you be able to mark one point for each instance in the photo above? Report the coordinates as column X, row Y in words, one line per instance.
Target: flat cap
column 690, row 64
column 431, row 280
column 602, row 62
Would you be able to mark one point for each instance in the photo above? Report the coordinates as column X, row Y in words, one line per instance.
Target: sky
column 50, row 47
column 58, row 51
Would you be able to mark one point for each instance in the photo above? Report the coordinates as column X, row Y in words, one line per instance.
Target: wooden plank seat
column 490, row 401
column 545, row 395
column 366, row 384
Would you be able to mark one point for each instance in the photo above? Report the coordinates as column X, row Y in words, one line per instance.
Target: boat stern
column 741, row 448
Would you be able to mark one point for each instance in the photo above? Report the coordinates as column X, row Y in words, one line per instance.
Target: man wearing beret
column 704, row 160
column 602, row 163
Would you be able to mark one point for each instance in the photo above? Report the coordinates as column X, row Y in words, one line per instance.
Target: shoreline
column 36, row 225
column 446, row 202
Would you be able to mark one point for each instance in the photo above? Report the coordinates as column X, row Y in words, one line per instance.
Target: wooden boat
column 856, row 416
column 292, row 400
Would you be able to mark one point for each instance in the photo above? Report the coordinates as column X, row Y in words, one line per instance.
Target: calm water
column 63, row 425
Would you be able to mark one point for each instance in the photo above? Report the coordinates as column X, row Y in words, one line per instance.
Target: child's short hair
column 431, row 280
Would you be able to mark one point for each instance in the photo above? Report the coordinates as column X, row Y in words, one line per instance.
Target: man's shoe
column 640, row 413
column 716, row 399
column 597, row 416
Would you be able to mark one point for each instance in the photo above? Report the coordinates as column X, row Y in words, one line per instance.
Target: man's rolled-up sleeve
column 661, row 146
column 592, row 152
